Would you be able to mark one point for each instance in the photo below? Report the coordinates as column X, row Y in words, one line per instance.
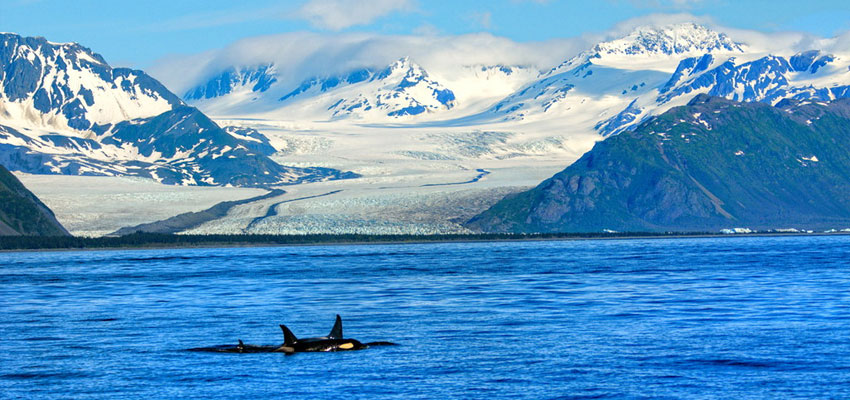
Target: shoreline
column 350, row 240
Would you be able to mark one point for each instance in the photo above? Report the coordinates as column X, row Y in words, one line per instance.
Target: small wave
column 736, row 363
column 370, row 254
column 587, row 396
column 170, row 258
column 44, row 375
column 99, row 320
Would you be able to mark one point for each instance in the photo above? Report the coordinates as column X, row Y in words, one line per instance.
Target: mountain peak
column 257, row 78
column 10, row 41
column 69, row 86
column 405, row 66
column 403, row 63
column 403, row 88
column 682, row 38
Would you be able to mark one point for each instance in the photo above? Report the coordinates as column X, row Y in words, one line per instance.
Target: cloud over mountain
column 301, row 55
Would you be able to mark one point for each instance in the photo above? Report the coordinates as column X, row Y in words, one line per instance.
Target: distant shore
column 170, row 241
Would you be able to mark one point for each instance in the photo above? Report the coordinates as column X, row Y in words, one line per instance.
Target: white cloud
column 780, row 43
column 299, row 56
column 340, row 14
column 840, row 44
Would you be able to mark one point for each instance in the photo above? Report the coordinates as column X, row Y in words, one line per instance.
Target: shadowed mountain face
column 710, row 165
column 21, row 213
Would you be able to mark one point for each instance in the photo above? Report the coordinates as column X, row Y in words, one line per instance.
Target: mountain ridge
column 705, row 166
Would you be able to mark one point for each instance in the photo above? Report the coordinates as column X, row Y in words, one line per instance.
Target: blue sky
column 137, row 33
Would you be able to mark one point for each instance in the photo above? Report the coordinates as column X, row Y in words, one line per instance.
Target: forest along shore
column 142, row 240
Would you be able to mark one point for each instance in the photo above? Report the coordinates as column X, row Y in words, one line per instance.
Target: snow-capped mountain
column 610, row 85
column 807, row 75
column 257, row 79
column 67, row 86
column 64, row 110
column 622, row 82
column 669, row 40
column 654, row 47
column 51, row 89
column 401, row 91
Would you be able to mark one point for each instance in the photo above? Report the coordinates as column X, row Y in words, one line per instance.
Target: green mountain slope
column 710, row 165
column 21, row 213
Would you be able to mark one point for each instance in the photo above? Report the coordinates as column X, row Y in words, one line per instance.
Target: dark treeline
column 150, row 240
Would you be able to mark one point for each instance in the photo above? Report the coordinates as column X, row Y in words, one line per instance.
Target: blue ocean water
column 732, row 317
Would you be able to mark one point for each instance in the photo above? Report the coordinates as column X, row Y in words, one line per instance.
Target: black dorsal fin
column 288, row 337
column 336, row 332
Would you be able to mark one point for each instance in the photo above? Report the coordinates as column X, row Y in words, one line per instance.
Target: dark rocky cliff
column 21, row 213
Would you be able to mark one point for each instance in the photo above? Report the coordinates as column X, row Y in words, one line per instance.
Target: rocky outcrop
column 21, row 213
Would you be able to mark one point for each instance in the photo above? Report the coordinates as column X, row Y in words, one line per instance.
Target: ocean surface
column 725, row 318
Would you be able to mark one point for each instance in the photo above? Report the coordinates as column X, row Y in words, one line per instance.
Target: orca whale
column 334, row 341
